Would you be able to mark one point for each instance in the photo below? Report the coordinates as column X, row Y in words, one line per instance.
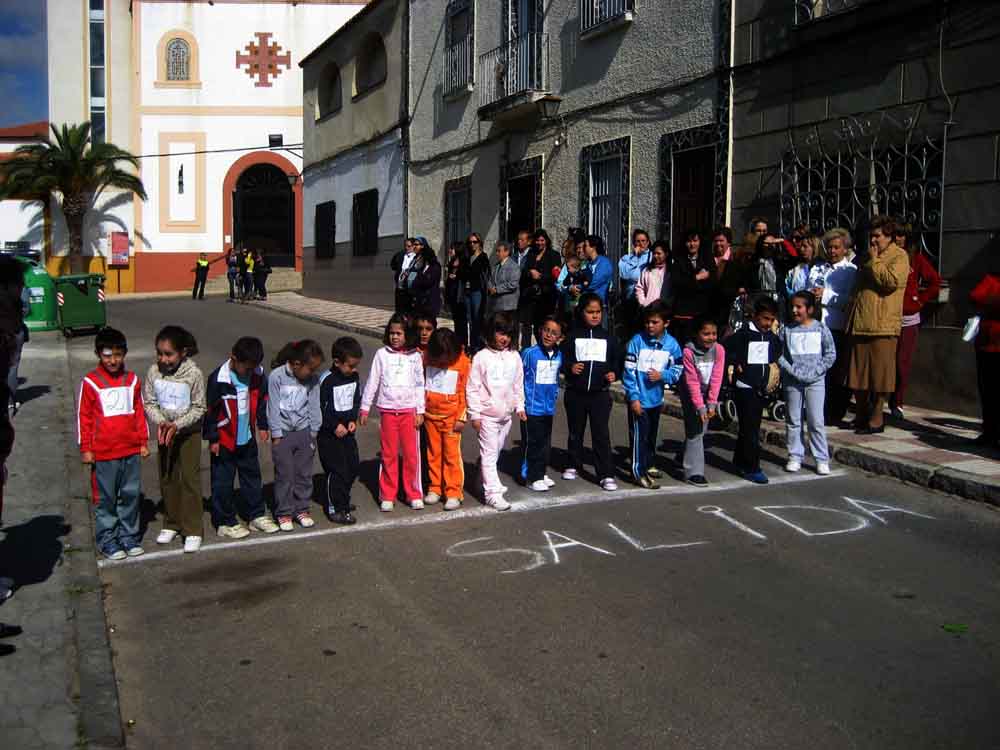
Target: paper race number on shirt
column 805, row 343
column 546, row 372
column 653, row 359
column 758, row 352
column 591, row 350
column 343, row 396
column 116, row 401
column 441, row 381
column 173, row 396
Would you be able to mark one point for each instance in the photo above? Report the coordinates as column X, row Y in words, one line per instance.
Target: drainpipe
column 947, row 127
column 404, row 120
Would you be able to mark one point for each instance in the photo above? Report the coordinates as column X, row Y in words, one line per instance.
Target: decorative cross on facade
column 262, row 59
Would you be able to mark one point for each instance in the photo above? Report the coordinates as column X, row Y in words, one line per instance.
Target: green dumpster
column 43, row 315
column 80, row 298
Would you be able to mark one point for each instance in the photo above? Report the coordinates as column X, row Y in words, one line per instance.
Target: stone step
column 280, row 280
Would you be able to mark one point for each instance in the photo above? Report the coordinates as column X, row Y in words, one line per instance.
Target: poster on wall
column 119, row 249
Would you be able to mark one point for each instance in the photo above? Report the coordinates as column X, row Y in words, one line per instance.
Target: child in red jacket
column 112, row 432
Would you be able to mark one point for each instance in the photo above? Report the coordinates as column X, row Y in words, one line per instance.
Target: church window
column 178, row 60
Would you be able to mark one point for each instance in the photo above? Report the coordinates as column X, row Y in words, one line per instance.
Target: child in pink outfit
column 396, row 387
column 704, row 366
column 495, row 392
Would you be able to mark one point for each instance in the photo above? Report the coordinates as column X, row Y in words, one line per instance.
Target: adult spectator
column 475, row 272
column 261, row 270
column 232, row 272
column 200, row 276
column 836, row 295
column 424, row 282
column 505, row 281
column 758, row 227
column 521, row 254
column 629, row 268
column 922, row 286
column 722, row 253
column 601, row 272
column 454, row 290
column 985, row 298
column 767, row 268
column 692, row 284
column 654, row 281
column 400, row 264
column 809, row 274
column 562, row 289
column 732, row 288
column 11, row 322
column 874, row 323
column 538, row 284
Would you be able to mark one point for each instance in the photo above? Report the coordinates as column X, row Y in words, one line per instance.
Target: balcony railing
column 597, row 13
column 519, row 67
column 813, row 10
column 458, row 67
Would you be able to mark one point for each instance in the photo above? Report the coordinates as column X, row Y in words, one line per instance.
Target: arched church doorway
column 264, row 214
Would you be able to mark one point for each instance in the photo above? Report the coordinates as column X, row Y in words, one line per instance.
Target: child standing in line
column 174, row 396
column 808, row 351
column 494, row 393
column 396, row 387
column 652, row 362
column 704, row 371
column 340, row 401
column 294, row 418
column 541, row 364
column 590, row 357
column 425, row 324
column 753, row 351
column 236, row 398
column 112, row 433
column 446, row 378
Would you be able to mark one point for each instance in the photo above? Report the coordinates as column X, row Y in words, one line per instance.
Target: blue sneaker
column 757, row 477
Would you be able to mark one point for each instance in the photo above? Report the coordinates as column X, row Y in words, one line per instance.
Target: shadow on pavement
column 31, row 550
column 24, row 395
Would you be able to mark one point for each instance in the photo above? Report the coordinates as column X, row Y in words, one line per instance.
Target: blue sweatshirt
column 807, row 353
column 643, row 354
column 541, row 380
column 602, row 273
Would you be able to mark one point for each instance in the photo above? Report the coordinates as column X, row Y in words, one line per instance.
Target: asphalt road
column 732, row 617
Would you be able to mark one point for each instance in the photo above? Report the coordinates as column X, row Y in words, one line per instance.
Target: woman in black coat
column 454, row 289
column 538, row 281
column 425, row 280
column 692, row 281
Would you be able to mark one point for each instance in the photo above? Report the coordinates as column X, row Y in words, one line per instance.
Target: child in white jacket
column 495, row 392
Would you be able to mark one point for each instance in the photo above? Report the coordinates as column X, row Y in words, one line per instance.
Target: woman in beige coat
column 874, row 322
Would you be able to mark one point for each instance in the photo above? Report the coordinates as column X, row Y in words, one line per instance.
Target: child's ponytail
column 303, row 350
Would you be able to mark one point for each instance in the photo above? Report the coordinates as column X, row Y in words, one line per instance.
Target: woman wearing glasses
column 474, row 275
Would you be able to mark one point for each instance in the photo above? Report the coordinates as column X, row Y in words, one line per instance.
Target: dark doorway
column 693, row 188
column 522, row 204
column 263, row 214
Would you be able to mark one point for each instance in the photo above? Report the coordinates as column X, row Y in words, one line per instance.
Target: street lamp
column 292, row 179
column 548, row 106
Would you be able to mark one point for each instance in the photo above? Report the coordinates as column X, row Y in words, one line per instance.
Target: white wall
column 21, row 221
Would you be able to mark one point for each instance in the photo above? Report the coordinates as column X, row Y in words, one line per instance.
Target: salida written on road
column 810, row 521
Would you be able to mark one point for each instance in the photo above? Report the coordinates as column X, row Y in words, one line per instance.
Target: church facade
column 209, row 94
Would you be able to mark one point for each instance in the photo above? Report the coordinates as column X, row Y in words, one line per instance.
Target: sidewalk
column 57, row 687
column 930, row 448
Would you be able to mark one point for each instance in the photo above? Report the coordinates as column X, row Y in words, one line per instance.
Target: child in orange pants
column 444, row 418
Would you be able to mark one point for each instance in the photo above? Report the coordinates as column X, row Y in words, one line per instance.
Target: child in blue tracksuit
column 652, row 362
column 541, row 389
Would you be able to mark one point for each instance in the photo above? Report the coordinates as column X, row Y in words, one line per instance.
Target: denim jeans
column 116, row 515
column 473, row 314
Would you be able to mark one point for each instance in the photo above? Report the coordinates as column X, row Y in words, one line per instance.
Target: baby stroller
column 774, row 405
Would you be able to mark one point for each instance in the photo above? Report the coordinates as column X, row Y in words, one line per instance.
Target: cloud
column 23, row 62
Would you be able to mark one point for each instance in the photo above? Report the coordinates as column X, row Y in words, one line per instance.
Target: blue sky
column 23, row 79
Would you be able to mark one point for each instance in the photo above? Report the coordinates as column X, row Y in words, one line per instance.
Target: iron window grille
column 704, row 136
column 178, row 60
column 459, row 54
column 457, row 210
column 520, row 66
column 597, row 13
column 813, row 10
column 605, row 193
column 531, row 167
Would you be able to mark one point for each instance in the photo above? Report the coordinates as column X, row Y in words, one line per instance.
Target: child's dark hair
column 703, row 320
column 110, row 338
column 764, row 304
column 444, row 348
column 180, row 338
column 409, row 327
column 249, row 349
column 303, row 350
column 807, row 297
column 346, row 348
column 552, row 319
column 657, row 309
column 585, row 299
column 423, row 315
column 498, row 322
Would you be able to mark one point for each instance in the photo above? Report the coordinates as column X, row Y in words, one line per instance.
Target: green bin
column 80, row 298
column 43, row 315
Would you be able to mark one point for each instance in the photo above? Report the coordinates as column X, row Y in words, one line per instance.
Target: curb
column 99, row 723
column 950, row 481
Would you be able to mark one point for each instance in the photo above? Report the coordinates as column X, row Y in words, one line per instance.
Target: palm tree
column 72, row 167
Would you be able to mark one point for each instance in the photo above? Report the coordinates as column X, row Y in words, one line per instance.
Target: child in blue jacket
column 541, row 389
column 653, row 360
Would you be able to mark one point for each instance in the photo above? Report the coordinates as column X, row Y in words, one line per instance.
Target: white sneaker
column 569, row 474
column 386, row 506
column 432, row 498
column 452, row 503
column 236, row 531
column 417, row 504
column 305, row 520
column 285, row 523
column 539, row 485
column 548, row 481
column 497, row 502
column 192, row 543
column 608, row 484
column 793, row 465
column 135, row 551
column 166, row 536
column 822, row 468
column 265, row 524
column 118, row 554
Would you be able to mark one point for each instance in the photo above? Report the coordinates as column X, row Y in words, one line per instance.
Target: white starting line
column 520, row 504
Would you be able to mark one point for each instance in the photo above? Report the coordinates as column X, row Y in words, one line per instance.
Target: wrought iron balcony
column 598, row 15
column 514, row 74
column 458, row 68
column 813, row 10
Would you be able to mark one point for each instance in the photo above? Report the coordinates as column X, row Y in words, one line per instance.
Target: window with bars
column 604, row 193
column 457, row 210
column 364, row 223
column 178, row 60
column 325, row 230
column 459, row 48
column 97, row 71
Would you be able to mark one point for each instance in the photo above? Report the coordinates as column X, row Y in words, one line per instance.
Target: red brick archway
column 229, row 187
